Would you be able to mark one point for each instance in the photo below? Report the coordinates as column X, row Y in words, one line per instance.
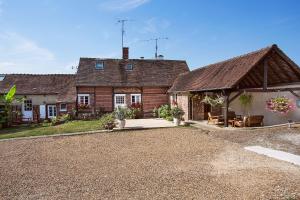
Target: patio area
column 147, row 123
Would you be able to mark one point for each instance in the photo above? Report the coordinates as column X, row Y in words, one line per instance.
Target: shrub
column 177, row 112
column 134, row 111
column 165, row 112
column 107, row 121
column 60, row 119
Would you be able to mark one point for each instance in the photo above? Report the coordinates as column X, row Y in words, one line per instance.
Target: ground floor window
column 63, row 107
column 51, row 111
column 84, row 99
column 27, row 105
column 136, row 98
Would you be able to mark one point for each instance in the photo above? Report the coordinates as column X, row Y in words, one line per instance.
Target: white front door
column 42, row 111
column 51, row 111
column 120, row 100
column 27, row 109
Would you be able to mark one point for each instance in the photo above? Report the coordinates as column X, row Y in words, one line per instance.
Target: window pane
column 99, row 64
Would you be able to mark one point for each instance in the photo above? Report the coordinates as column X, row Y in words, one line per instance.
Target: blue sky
column 49, row 36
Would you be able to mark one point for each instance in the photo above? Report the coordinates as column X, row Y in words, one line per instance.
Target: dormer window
column 129, row 67
column 99, row 64
column 2, row 76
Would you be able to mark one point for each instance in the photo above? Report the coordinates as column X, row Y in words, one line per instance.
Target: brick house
column 45, row 96
column 104, row 84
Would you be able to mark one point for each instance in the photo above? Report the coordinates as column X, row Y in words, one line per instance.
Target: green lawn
column 47, row 129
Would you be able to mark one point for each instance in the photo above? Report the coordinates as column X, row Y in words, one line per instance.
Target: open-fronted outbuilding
column 264, row 74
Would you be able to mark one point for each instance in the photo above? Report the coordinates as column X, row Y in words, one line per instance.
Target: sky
column 49, row 36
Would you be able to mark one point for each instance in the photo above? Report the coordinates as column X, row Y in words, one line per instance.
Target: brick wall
column 183, row 103
column 154, row 97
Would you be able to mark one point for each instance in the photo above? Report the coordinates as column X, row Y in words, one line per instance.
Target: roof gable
column 235, row 72
column 144, row 72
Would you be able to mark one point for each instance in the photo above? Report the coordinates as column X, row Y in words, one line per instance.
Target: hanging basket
column 282, row 105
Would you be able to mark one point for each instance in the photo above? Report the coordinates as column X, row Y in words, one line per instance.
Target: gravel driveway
column 173, row 163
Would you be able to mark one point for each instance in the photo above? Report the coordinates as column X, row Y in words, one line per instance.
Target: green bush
column 107, row 121
column 177, row 112
column 60, row 119
column 134, row 113
column 164, row 112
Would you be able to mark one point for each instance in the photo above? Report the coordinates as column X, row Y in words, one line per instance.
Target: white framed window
column 28, row 105
column 136, row 98
column 84, row 99
column 99, row 64
column 63, row 107
column 120, row 100
column 51, row 111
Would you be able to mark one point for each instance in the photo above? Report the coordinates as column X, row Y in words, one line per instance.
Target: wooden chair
column 218, row 119
column 249, row 121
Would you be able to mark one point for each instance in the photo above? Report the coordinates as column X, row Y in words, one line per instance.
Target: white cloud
column 121, row 5
column 19, row 54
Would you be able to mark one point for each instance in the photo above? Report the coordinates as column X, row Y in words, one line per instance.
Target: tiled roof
column 221, row 75
column 61, row 84
column 144, row 73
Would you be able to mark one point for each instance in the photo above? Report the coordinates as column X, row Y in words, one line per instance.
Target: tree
column 6, row 101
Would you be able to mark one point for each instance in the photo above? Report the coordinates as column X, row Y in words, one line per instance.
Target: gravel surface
column 173, row 163
column 280, row 138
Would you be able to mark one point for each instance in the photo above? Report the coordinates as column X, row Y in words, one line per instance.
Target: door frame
column 115, row 98
column 48, row 107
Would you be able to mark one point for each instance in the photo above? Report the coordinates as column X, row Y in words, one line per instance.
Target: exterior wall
column 39, row 99
column 46, row 100
column 103, row 97
column 154, row 97
column 259, row 108
column 183, row 103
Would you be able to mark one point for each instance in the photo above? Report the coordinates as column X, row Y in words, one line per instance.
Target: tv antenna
column 156, row 43
column 122, row 22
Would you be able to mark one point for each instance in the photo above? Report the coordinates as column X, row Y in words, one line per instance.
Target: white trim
column 115, row 100
column 62, row 110
column 48, row 109
column 84, row 95
column 140, row 95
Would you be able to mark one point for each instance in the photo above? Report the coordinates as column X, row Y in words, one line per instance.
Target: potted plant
column 177, row 114
column 120, row 114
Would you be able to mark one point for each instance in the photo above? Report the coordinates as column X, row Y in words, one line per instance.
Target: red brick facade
column 103, row 97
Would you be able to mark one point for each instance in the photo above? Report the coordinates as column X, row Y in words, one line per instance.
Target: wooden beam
column 265, row 86
column 290, row 63
column 235, row 96
column 295, row 94
column 226, row 106
column 282, row 72
column 270, row 89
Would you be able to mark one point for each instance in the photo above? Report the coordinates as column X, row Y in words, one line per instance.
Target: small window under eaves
column 2, row 76
column 129, row 67
column 99, row 64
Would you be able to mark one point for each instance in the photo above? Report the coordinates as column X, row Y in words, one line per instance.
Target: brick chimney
column 125, row 52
